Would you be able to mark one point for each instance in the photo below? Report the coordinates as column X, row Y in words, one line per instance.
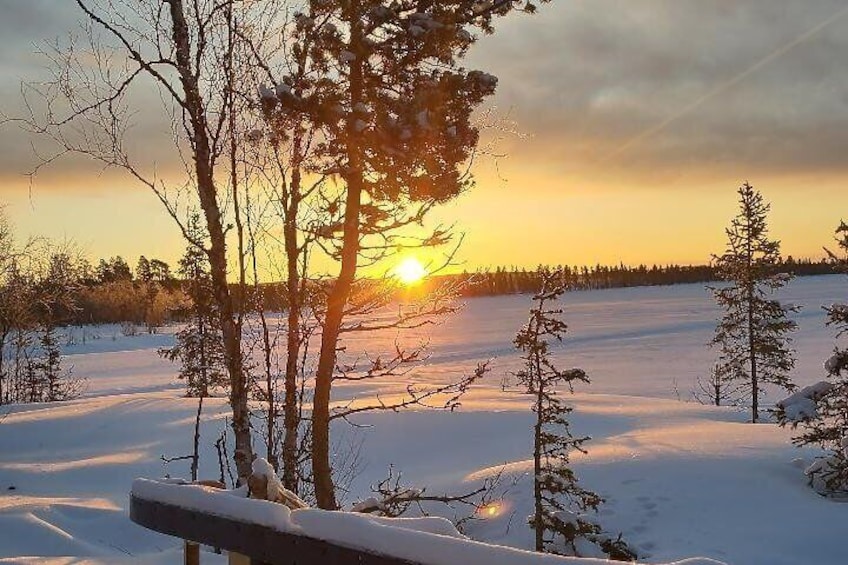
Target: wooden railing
column 258, row 544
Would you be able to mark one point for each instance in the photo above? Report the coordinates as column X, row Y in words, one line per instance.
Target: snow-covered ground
column 680, row 479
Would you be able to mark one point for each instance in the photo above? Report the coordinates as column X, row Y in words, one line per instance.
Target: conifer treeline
column 504, row 280
column 151, row 295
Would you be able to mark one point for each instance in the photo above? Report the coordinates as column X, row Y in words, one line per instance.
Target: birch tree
column 188, row 53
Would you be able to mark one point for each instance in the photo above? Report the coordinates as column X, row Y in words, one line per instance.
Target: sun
column 410, row 271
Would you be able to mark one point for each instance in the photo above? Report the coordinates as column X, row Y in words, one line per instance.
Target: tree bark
column 537, row 471
column 755, row 413
column 340, row 293
column 217, row 252
column 321, row 467
column 195, row 454
column 294, row 298
column 749, row 295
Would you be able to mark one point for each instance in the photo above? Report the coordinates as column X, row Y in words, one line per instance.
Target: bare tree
column 719, row 388
column 187, row 51
column 279, row 156
column 39, row 286
column 392, row 498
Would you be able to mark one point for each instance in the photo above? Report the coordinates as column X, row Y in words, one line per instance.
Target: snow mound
column 802, row 405
column 272, row 488
column 836, row 363
column 262, row 468
column 224, row 503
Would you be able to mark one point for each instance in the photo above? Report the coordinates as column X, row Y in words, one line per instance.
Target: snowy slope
column 680, row 479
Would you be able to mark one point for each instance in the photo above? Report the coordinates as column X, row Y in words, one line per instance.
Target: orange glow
column 492, row 510
column 576, row 222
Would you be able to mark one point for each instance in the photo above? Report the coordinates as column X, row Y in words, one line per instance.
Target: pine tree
column 394, row 106
column 753, row 334
column 822, row 409
column 115, row 269
column 199, row 346
column 555, row 487
column 153, row 276
column 142, row 270
column 57, row 382
column 55, row 305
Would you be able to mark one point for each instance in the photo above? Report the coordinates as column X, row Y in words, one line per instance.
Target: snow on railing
column 269, row 532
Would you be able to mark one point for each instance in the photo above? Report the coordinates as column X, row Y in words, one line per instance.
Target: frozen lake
column 647, row 341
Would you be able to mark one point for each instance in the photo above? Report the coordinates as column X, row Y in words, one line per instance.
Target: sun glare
column 491, row 510
column 410, row 271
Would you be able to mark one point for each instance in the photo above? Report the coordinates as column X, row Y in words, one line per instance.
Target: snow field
column 680, row 479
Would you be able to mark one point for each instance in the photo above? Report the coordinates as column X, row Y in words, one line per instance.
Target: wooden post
column 191, row 552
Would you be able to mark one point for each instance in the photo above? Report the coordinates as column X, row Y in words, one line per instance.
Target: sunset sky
column 636, row 121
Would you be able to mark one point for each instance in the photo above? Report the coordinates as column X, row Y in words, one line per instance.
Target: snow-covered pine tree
column 556, row 491
column 199, row 346
column 822, row 408
column 392, row 107
column 753, row 334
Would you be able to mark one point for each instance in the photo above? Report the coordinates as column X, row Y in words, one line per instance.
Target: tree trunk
column 204, row 161
column 755, row 413
column 749, row 295
column 321, row 467
column 295, row 295
column 2, row 370
column 537, row 472
column 271, row 431
column 195, row 453
column 290, row 409
column 755, row 392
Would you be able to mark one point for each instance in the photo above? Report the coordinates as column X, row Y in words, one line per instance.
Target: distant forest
column 152, row 295
column 504, row 280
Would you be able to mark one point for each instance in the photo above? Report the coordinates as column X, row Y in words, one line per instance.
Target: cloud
column 640, row 87
column 27, row 29
column 26, row 23
column 623, row 90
